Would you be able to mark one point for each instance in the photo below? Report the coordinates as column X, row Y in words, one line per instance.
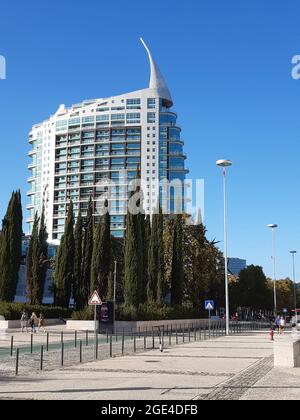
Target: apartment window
column 151, row 103
column 151, row 118
column 133, row 104
column 133, row 118
column 118, row 117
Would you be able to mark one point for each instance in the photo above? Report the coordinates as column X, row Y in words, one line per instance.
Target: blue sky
column 228, row 66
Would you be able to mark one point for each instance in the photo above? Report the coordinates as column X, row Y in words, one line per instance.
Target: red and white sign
column 95, row 300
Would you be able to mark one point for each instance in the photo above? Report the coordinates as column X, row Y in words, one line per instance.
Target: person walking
column 277, row 323
column 282, row 325
column 33, row 322
column 24, row 321
column 41, row 324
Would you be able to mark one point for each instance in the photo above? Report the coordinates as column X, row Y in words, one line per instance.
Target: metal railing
column 69, row 349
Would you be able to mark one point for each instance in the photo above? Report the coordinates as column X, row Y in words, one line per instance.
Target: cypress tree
column 79, row 294
column 101, row 259
column 156, row 287
column 29, row 260
column 88, row 249
column 133, row 254
column 37, row 261
column 177, row 275
column 64, row 270
column 160, row 259
column 11, row 248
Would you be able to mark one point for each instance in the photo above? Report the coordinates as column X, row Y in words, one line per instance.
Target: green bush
column 154, row 312
column 87, row 314
column 13, row 311
column 146, row 312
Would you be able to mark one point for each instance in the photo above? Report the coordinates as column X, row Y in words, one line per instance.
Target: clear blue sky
column 228, row 66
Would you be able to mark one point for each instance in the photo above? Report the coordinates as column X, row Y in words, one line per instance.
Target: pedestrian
column 41, row 323
column 24, row 321
column 277, row 323
column 33, row 322
column 282, row 325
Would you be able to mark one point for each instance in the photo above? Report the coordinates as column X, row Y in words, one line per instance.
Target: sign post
column 209, row 306
column 95, row 301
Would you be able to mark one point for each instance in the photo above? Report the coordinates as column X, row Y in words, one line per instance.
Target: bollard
column 17, row 361
column 134, row 344
column 47, row 342
column 62, row 354
column 176, row 335
column 183, row 334
column 42, row 358
column 111, row 346
column 11, row 346
column 31, row 344
column 123, row 343
column 96, row 347
column 80, row 351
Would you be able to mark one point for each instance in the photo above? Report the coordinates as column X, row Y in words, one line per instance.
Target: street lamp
column 224, row 164
column 293, row 253
column 274, row 227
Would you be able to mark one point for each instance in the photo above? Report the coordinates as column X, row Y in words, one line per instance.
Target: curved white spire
column 157, row 81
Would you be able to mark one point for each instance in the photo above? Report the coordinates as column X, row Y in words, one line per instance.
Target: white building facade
column 96, row 148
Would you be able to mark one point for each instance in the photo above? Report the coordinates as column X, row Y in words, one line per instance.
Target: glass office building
column 96, row 148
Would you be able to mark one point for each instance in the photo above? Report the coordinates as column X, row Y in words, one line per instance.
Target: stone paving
column 223, row 368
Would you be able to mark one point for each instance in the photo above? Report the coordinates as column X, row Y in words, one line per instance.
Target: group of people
column 35, row 323
column 280, row 324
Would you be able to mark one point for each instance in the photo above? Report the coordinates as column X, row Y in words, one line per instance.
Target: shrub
column 13, row 311
column 87, row 314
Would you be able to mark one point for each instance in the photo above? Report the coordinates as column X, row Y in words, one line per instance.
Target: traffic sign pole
column 95, row 301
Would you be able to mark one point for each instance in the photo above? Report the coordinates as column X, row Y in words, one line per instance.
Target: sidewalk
column 222, row 368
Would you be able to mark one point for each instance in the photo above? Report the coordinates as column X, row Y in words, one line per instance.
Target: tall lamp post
column 293, row 253
column 224, row 164
column 115, row 295
column 274, row 227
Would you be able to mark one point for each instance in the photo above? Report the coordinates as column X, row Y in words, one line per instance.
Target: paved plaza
column 224, row 368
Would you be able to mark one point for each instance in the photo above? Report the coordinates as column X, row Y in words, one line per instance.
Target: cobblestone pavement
column 235, row 388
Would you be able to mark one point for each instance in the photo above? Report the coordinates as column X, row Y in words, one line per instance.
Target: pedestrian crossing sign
column 209, row 305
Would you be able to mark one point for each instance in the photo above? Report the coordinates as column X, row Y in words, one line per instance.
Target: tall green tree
column 11, row 248
column 29, row 260
column 88, row 249
column 64, row 270
column 251, row 290
column 156, row 279
column 101, row 259
column 177, row 275
column 79, row 292
column 133, row 258
column 37, row 260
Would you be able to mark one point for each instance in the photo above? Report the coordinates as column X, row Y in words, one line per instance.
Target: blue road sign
column 209, row 305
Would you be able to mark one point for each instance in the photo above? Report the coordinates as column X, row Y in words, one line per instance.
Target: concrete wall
column 7, row 325
column 140, row 325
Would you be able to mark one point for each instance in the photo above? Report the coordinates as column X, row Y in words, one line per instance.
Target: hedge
column 13, row 311
column 146, row 312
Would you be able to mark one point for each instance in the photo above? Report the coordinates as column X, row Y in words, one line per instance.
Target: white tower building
column 78, row 149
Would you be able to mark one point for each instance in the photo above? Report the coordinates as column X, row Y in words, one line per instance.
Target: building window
column 151, row 103
column 151, row 118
